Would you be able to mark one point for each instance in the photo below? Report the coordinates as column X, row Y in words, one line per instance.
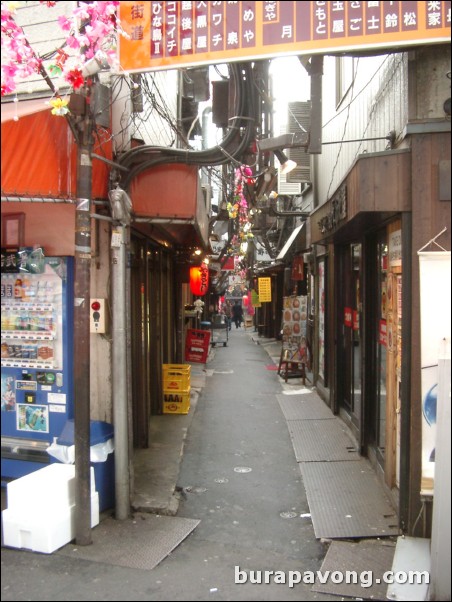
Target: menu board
column 294, row 326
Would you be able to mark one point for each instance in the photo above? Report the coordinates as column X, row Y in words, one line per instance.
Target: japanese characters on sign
column 170, row 34
column 265, row 290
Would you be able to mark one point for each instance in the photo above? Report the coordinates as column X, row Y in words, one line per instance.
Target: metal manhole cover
column 288, row 514
column 222, row 480
column 242, row 469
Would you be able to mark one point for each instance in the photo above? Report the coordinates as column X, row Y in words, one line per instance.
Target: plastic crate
column 175, row 377
column 176, row 402
column 170, row 367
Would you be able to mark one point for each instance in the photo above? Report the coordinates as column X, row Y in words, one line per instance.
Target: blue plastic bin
column 104, row 472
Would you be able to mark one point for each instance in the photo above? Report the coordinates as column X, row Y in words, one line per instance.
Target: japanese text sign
column 265, row 290
column 164, row 35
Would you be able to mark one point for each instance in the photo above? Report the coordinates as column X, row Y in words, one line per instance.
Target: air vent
column 285, row 187
column 299, row 120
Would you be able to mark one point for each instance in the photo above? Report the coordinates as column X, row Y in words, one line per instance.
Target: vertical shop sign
column 265, row 290
column 435, row 285
column 348, row 319
column 321, row 272
column 298, row 268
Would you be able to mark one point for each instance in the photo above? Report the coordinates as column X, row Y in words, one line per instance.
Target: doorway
column 152, row 331
column 377, row 345
column 349, row 357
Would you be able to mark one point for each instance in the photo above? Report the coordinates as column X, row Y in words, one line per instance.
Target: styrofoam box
column 43, row 532
column 50, row 487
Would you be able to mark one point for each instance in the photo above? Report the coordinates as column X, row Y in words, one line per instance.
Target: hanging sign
column 197, row 345
column 395, row 249
column 255, row 299
column 265, row 290
column 348, row 317
column 199, row 280
column 298, row 268
column 228, row 264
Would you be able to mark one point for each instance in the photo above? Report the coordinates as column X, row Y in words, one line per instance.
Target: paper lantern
column 199, row 280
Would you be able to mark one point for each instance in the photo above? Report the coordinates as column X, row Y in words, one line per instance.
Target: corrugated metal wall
column 371, row 102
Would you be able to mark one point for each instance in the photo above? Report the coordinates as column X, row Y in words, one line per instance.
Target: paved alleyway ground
column 239, row 478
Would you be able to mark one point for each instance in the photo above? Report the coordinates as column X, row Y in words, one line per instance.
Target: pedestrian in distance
column 237, row 314
column 227, row 311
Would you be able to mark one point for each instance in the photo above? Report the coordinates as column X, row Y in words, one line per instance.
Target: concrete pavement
column 229, row 464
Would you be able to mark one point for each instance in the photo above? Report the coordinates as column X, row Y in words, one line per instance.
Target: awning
column 23, row 108
column 290, row 241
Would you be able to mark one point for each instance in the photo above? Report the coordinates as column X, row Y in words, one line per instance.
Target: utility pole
column 119, row 377
column 82, row 279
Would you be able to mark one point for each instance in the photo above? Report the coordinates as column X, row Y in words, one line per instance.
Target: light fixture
column 287, row 164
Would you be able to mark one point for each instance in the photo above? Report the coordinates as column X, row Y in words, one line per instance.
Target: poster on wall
column 435, row 284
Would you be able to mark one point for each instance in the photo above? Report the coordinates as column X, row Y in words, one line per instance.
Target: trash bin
column 101, row 457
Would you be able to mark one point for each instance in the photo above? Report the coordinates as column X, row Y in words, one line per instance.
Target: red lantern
column 199, row 280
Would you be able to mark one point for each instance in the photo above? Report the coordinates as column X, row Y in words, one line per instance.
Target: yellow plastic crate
column 170, row 367
column 176, row 377
column 176, row 402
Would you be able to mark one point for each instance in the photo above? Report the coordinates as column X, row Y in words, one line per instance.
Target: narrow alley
column 240, row 492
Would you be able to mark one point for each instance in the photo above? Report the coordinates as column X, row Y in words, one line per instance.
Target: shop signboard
column 166, row 35
column 348, row 313
column 298, row 268
column 197, row 346
column 265, row 290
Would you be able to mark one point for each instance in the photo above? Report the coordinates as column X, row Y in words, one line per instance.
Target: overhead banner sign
column 166, row 35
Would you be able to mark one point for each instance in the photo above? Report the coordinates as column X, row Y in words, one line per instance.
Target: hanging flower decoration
column 75, row 78
column 19, row 61
column 238, row 209
column 59, row 106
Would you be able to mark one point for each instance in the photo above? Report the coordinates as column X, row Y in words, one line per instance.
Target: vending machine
column 36, row 356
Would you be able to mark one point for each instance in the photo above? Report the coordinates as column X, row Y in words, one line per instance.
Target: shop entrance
column 384, row 348
column 152, row 331
column 349, row 379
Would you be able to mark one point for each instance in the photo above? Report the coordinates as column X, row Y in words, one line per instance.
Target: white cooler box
column 41, row 509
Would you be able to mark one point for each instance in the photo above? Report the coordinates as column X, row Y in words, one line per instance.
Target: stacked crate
column 176, row 388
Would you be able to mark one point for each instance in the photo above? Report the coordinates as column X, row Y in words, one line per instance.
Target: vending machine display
column 36, row 356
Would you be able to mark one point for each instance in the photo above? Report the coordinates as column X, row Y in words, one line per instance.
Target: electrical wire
column 151, row 156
